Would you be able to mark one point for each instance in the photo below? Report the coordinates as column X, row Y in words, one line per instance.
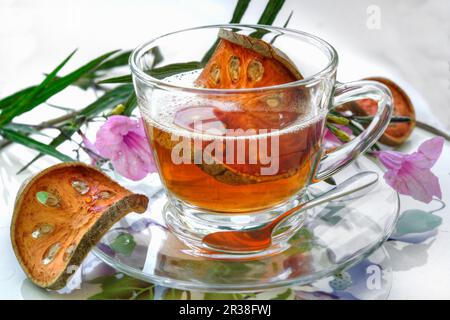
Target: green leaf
column 13, row 98
column 121, row 286
column 130, row 105
column 394, row 119
column 340, row 134
column 116, row 61
column 59, row 107
column 26, row 102
column 271, row 11
column 174, row 68
column 288, row 19
column 337, row 119
column 356, row 130
column 173, row 294
column 65, row 81
column 226, row 270
column 158, row 73
column 283, row 296
column 124, row 244
column 157, row 56
column 120, row 79
column 416, row 221
column 303, row 234
column 123, row 58
column 24, row 129
column 238, row 13
column 268, row 16
column 34, row 144
column 354, row 126
column 25, row 167
column 49, row 88
column 109, row 100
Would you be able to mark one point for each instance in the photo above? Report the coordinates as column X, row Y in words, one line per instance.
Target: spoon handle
column 261, row 238
column 353, row 184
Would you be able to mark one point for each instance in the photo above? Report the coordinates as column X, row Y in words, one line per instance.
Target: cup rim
column 148, row 79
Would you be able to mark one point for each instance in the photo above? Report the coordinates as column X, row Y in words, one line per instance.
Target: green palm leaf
column 109, row 100
column 34, row 144
column 49, row 87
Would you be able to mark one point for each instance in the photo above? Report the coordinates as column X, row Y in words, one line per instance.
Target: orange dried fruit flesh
column 60, row 214
column 396, row 133
column 239, row 62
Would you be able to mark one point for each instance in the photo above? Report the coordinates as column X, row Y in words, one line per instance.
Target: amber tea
column 219, row 156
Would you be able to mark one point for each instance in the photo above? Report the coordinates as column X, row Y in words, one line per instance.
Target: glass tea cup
column 235, row 159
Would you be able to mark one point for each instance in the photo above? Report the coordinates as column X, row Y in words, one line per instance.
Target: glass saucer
column 342, row 233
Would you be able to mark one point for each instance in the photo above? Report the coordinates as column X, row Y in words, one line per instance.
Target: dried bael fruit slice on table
column 396, row 133
column 60, row 214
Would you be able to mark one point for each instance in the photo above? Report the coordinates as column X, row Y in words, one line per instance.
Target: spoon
column 247, row 241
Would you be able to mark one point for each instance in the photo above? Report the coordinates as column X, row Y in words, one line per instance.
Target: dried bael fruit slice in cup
column 396, row 133
column 60, row 214
column 241, row 61
column 238, row 62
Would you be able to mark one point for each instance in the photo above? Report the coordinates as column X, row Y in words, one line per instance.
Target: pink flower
column 330, row 141
column 90, row 149
column 123, row 141
column 410, row 174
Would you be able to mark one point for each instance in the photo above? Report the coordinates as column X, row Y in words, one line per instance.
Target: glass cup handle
column 338, row 159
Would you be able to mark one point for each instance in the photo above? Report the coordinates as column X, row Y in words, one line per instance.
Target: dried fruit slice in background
column 396, row 133
column 60, row 214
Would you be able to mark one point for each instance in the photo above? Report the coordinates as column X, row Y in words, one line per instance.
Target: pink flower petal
column 131, row 166
column 110, row 135
column 392, row 160
column 432, row 149
column 431, row 186
column 93, row 154
column 330, row 141
column 410, row 174
column 421, row 185
column 398, row 183
column 418, row 160
column 123, row 141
